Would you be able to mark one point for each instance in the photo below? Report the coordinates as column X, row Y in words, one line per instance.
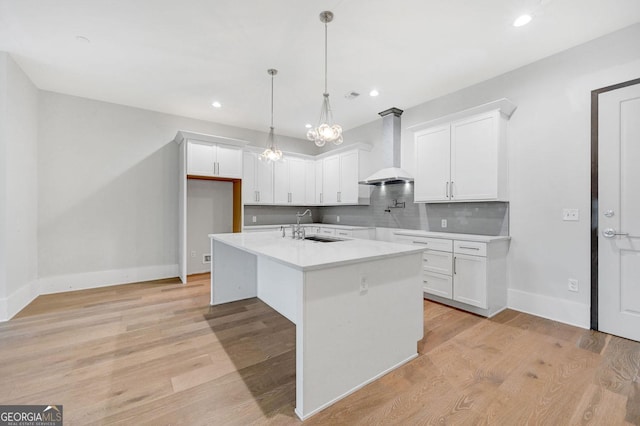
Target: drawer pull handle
column 419, row 242
column 470, row 248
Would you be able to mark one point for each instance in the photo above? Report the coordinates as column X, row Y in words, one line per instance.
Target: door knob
column 610, row 233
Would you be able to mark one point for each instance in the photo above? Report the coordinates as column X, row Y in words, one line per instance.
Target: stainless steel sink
column 321, row 239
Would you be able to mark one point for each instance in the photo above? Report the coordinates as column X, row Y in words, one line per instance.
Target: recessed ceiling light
column 308, row 126
column 216, row 104
column 374, row 93
column 522, row 20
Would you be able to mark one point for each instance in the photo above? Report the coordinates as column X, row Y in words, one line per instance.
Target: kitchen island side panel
column 357, row 322
column 233, row 274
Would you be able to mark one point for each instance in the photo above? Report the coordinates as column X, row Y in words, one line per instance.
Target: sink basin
column 320, row 239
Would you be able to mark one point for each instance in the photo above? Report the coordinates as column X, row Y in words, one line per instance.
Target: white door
column 331, row 179
column 297, row 183
column 200, row 158
column 229, row 161
column 433, row 152
column 470, row 280
column 349, row 178
column 264, row 181
column 281, row 182
column 619, row 212
column 474, row 158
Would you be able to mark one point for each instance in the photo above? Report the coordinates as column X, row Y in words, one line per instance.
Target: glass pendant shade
column 271, row 153
column 325, row 131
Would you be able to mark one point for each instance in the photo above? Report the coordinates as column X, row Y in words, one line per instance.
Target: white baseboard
column 552, row 308
column 87, row 280
column 16, row 301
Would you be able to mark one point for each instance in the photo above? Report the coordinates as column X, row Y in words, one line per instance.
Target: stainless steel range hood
column 391, row 139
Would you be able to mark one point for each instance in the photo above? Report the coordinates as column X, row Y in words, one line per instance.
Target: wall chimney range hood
column 391, row 141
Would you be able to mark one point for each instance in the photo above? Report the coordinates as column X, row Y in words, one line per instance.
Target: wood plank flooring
column 157, row 353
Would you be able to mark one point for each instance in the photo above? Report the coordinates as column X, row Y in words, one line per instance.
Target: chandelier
column 325, row 132
column 271, row 153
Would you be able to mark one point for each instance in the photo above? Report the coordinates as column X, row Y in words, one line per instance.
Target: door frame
column 594, row 193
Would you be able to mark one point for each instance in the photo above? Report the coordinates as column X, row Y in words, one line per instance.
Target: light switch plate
column 570, row 214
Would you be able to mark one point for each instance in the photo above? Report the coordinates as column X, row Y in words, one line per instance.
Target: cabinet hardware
column 447, row 190
column 470, row 248
column 610, row 233
column 420, row 242
column 452, row 189
column 454, row 265
column 339, row 196
column 321, row 198
column 258, row 195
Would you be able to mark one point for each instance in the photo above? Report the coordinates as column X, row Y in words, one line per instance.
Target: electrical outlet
column 364, row 285
column 571, row 214
column 254, row 219
column 338, row 219
column 193, row 253
column 572, row 285
column 206, row 258
column 443, row 223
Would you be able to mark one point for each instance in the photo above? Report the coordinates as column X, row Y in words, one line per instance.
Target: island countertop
column 308, row 255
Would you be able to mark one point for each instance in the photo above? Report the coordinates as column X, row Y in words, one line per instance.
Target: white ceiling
column 178, row 56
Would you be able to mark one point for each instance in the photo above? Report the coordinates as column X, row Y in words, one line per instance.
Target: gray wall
column 209, row 211
column 18, row 188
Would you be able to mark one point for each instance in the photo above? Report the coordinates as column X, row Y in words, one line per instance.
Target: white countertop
column 309, row 255
column 452, row 236
column 324, row 225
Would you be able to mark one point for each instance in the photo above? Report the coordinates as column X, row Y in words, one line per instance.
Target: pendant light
column 271, row 153
column 326, row 131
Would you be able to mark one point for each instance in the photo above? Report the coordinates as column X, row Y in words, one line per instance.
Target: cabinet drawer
column 437, row 261
column 438, row 285
column 470, row 247
column 343, row 233
column 428, row 243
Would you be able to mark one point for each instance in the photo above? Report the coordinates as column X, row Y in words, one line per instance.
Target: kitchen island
column 356, row 304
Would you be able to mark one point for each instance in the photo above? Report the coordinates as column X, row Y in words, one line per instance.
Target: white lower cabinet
column 469, row 275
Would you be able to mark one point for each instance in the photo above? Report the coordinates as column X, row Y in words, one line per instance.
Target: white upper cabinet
column 463, row 160
column 319, row 176
column 340, row 175
column 212, row 159
column 290, row 181
column 257, row 180
column 433, row 165
column 330, row 179
column 310, row 182
column 463, row 156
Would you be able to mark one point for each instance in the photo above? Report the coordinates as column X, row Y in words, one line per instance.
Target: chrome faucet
column 297, row 231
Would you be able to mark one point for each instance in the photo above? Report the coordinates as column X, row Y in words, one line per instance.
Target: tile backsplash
column 484, row 218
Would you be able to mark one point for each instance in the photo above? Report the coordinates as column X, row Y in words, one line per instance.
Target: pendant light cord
column 271, row 100
column 325, row 58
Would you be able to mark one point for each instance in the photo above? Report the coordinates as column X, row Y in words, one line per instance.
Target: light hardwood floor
column 156, row 353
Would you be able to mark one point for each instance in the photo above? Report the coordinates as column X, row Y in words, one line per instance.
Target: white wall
column 18, row 193
column 549, row 143
column 108, row 190
column 209, row 211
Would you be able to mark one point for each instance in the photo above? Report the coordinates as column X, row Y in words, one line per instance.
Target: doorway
column 615, row 218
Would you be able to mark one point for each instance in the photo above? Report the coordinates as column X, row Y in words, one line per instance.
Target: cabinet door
column 437, row 284
column 264, row 181
column 474, row 157
column 330, row 179
column 229, row 161
column 318, row 195
column 349, row 178
column 310, row 182
column 470, row 280
column 281, row 181
column 200, row 158
column 249, row 194
column 432, row 164
column 297, row 184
